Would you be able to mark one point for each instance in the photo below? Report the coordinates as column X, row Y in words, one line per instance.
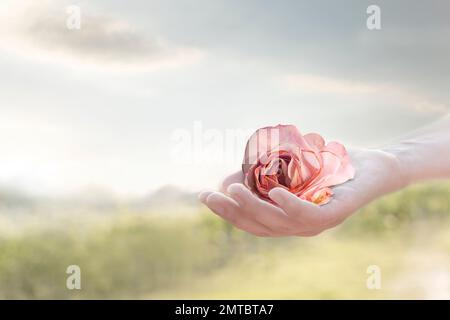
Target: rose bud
column 304, row 165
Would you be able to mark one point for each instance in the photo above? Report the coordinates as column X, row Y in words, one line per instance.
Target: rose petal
column 322, row 196
column 267, row 139
column 304, row 166
column 335, row 170
column 310, row 165
column 293, row 172
column 315, row 141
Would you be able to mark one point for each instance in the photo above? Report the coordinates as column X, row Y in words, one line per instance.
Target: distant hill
column 96, row 199
column 169, row 195
column 10, row 197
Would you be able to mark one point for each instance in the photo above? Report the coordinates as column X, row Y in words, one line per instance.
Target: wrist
column 400, row 167
column 378, row 172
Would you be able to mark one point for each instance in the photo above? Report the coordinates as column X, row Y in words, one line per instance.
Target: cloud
column 322, row 85
column 102, row 41
column 315, row 84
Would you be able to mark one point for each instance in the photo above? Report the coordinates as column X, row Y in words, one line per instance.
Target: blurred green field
column 162, row 254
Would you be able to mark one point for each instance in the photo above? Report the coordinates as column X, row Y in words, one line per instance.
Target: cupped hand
column 377, row 173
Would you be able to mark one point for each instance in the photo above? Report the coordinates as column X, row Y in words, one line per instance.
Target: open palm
column 377, row 173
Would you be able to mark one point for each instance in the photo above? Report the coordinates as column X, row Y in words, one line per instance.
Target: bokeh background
column 90, row 127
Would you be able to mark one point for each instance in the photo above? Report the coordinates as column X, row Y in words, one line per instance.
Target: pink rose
column 304, row 165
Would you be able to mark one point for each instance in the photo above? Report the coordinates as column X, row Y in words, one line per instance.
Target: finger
column 260, row 230
column 229, row 210
column 203, row 195
column 261, row 211
column 306, row 212
column 237, row 177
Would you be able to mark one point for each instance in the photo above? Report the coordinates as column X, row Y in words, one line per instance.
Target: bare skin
column 422, row 155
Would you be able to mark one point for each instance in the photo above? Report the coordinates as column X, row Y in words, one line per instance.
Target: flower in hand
column 304, row 165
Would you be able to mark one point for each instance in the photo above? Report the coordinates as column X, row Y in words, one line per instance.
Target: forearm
column 424, row 154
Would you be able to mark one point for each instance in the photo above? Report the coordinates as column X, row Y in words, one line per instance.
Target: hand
column 377, row 173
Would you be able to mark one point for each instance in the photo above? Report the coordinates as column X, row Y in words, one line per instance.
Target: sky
column 154, row 93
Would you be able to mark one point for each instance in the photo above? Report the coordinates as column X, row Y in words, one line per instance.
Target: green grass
column 159, row 256
column 296, row 271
